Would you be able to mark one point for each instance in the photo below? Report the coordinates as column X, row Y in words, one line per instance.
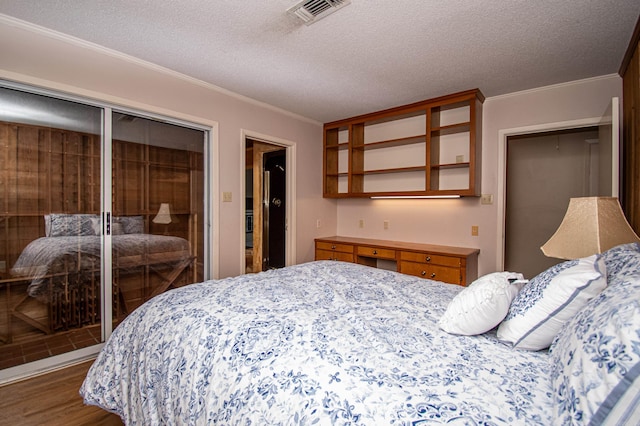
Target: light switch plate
column 486, row 199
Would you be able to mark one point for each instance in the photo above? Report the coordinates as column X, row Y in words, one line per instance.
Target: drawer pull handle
column 423, row 273
column 375, row 252
column 333, row 247
column 428, row 258
column 433, row 275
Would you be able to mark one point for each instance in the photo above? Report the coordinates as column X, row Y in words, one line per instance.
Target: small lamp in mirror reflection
column 591, row 225
column 163, row 217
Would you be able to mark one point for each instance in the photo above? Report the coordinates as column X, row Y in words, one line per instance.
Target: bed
column 338, row 343
column 48, row 256
column 62, row 269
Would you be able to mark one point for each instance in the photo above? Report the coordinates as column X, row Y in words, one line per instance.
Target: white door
column 609, row 140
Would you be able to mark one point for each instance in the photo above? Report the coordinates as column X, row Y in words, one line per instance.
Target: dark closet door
column 274, row 205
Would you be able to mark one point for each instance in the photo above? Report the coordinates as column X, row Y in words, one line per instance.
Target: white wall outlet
column 226, row 197
column 385, row 224
column 318, row 224
column 361, row 223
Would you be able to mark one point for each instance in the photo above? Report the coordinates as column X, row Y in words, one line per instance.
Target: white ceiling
column 370, row 55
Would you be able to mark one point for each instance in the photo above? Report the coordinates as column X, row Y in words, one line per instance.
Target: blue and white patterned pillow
column 595, row 359
column 131, row 224
column 620, row 261
column 121, row 225
column 549, row 300
column 69, row 225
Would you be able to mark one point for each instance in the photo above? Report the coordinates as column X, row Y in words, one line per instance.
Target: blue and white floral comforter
column 317, row 343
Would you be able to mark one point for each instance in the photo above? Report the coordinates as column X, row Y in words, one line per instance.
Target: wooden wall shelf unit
column 454, row 265
column 428, row 148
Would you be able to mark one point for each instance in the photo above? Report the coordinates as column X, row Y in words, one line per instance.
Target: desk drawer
column 334, row 255
column 380, row 253
column 345, row 248
column 435, row 259
column 433, row 272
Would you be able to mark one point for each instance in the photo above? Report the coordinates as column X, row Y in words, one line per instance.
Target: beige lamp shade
column 164, row 214
column 591, row 225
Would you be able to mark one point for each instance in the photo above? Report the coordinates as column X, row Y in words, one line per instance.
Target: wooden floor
column 40, row 347
column 52, row 399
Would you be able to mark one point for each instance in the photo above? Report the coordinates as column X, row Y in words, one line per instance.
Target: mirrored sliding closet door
column 157, row 233
column 100, row 211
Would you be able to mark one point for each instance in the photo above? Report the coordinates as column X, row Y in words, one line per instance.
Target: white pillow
column 482, row 305
column 549, row 300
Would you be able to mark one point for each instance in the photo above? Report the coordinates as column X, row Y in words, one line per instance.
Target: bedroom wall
column 43, row 58
column 46, row 59
column 448, row 222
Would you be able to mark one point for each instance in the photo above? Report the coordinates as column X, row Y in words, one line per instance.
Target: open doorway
column 267, row 205
column 544, row 170
column 584, row 153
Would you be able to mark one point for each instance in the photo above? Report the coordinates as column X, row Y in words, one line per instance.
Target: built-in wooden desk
column 455, row 265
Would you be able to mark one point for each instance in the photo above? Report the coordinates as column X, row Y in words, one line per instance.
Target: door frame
column 290, row 237
column 503, row 134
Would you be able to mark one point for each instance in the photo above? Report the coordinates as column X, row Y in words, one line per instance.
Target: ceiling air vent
column 311, row 11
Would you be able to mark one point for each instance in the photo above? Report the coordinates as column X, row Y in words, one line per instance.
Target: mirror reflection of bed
column 57, row 277
column 52, row 198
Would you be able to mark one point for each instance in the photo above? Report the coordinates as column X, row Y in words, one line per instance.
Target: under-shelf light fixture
column 412, row 197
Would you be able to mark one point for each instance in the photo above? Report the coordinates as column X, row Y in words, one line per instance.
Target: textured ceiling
column 370, row 55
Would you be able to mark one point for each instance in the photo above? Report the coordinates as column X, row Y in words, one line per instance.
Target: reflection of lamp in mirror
column 163, row 217
column 591, row 225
